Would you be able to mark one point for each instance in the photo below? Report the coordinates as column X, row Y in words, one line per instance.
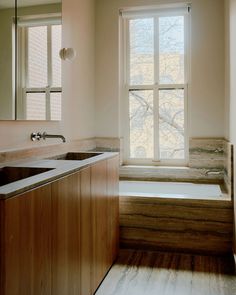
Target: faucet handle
column 35, row 136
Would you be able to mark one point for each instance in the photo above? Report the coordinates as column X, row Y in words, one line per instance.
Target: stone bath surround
column 205, row 154
column 210, row 161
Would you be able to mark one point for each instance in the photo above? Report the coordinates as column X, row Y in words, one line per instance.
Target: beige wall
column 206, row 102
column 78, row 83
column 206, row 106
column 232, row 83
column 227, row 76
column 7, row 106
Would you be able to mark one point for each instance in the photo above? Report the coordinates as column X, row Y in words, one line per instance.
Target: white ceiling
column 21, row 3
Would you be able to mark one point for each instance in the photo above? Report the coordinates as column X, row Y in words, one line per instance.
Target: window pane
column 56, row 61
column 171, row 124
column 35, row 106
column 171, row 47
column 141, row 124
column 37, row 57
column 142, row 51
column 56, row 106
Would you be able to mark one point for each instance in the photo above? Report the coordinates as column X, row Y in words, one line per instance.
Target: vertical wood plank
column 113, row 205
column 100, row 222
column 65, row 236
column 86, row 233
column 28, row 243
column 2, row 247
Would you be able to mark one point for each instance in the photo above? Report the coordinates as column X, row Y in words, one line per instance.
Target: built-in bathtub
column 171, row 190
column 183, row 217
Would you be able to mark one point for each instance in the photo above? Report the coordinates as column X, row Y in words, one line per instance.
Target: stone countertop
column 60, row 168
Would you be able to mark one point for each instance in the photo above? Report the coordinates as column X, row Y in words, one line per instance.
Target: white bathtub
column 170, row 189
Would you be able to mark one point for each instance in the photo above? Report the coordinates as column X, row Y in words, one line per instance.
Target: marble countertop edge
column 60, row 169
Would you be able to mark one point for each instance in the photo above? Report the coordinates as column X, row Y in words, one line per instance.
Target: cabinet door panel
column 27, row 228
column 100, row 222
column 86, row 233
column 66, row 236
column 113, row 204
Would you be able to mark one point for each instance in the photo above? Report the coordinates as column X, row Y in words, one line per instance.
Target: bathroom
column 117, row 127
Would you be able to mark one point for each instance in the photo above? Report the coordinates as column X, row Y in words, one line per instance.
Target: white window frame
column 22, row 30
column 125, row 86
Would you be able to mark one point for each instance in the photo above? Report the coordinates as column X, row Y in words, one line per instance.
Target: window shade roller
column 39, row 21
column 153, row 11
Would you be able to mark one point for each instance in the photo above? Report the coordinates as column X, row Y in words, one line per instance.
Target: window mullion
column 127, row 54
column 126, row 88
column 171, row 86
column 187, row 77
column 156, row 89
column 48, row 94
column 26, row 55
column 49, row 40
column 141, row 87
column 48, row 104
column 25, row 74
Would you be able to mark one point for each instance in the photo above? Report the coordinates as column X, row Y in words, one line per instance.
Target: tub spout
column 212, row 172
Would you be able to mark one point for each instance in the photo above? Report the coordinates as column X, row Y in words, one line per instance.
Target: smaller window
column 39, row 42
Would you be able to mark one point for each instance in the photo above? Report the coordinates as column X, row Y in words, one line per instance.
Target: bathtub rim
column 224, row 197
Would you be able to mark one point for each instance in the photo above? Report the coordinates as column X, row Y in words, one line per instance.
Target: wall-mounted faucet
column 213, row 172
column 37, row 136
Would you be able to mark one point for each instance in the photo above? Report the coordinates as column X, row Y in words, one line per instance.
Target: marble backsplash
column 210, row 160
column 47, row 150
column 207, row 153
column 229, row 167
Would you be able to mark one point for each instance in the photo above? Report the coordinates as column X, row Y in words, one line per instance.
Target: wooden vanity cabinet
column 105, row 212
column 86, row 234
column 100, row 222
column 61, row 238
column 26, row 243
column 66, row 235
column 113, row 208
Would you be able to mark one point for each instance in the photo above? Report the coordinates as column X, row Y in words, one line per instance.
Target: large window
column 39, row 42
column 155, row 85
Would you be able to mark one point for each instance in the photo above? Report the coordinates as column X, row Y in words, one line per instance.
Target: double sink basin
column 12, row 174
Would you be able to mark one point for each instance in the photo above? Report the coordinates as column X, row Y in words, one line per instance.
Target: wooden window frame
column 125, row 87
column 22, row 40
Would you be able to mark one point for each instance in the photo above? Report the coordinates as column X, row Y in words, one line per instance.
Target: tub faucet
column 213, row 172
column 44, row 135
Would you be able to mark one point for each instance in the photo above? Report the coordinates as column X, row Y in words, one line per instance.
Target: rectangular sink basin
column 11, row 174
column 76, row 156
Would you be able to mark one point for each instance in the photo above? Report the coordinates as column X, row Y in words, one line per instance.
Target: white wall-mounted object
column 67, row 54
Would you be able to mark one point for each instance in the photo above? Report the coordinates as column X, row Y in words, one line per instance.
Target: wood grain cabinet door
column 86, row 258
column 26, row 243
column 113, row 207
column 66, row 236
column 100, row 222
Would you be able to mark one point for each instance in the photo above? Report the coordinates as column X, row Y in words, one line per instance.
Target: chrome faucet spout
column 38, row 136
column 213, row 172
column 45, row 135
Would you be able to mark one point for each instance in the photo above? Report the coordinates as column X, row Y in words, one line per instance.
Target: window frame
column 125, row 86
column 47, row 20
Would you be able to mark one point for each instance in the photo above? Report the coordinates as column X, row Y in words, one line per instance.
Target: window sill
column 153, row 168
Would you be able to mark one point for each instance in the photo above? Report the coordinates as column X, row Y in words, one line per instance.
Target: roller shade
column 155, row 11
column 39, row 20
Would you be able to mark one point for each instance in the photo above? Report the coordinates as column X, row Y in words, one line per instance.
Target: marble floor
column 159, row 273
